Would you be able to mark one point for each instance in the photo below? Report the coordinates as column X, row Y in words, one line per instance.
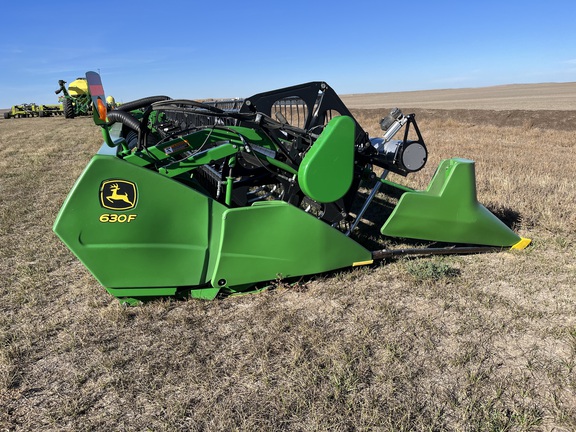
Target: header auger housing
column 201, row 198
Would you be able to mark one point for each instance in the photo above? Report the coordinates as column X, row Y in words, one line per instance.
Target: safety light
column 101, row 110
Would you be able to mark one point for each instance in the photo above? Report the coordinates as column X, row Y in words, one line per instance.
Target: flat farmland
column 532, row 97
column 457, row 343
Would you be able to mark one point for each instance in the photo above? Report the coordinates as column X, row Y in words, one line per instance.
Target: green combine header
column 201, row 199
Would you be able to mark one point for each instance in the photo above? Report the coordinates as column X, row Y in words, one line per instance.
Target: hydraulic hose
column 125, row 118
column 141, row 103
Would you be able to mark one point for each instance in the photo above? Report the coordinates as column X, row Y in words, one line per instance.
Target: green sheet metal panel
column 273, row 240
column 133, row 228
column 326, row 172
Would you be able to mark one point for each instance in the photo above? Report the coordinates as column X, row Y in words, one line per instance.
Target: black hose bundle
column 141, row 103
column 125, row 118
column 122, row 113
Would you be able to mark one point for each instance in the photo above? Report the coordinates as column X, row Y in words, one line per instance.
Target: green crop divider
column 448, row 211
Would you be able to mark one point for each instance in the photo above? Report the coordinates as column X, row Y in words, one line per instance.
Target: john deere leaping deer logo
column 118, row 194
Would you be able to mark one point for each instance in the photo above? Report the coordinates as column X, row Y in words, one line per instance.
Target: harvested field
column 531, row 97
column 459, row 343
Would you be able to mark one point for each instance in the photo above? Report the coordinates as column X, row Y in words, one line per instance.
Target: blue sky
column 202, row 49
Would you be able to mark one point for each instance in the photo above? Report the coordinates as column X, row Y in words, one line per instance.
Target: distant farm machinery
column 186, row 198
column 33, row 110
column 76, row 99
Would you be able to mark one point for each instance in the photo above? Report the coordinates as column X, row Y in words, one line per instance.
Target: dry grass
column 460, row 343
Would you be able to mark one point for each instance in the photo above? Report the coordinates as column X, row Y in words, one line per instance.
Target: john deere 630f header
column 191, row 198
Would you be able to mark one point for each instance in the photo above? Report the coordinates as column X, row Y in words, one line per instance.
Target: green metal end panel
column 326, row 172
column 273, row 240
column 448, row 211
column 135, row 229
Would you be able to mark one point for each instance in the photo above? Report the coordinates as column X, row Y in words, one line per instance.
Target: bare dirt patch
column 546, row 119
column 544, row 106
